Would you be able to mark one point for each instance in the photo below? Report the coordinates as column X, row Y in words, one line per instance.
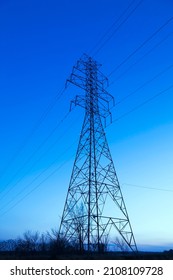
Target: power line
column 150, row 188
column 36, row 187
column 118, row 27
column 112, row 26
column 37, row 177
column 31, row 156
column 140, row 59
column 144, row 84
column 143, row 103
column 48, row 150
column 141, row 46
column 35, row 128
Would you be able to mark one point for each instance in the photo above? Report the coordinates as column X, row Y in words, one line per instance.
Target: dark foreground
column 166, row 255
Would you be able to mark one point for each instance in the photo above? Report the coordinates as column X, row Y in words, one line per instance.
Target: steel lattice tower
column 94, row 204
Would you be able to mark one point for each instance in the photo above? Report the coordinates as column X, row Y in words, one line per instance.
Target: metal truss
column 94, row 204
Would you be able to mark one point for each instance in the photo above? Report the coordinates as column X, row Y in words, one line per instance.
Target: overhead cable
column 141, row 45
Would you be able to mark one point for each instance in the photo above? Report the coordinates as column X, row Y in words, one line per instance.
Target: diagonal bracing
column 94, row 205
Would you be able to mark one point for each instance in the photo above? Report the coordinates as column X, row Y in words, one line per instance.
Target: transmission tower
column 94, row 205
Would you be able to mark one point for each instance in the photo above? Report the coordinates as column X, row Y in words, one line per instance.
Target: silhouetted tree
column 29, row 243
column 57, row 245
column 121, row 245
column 8, row 245
column 43, row 243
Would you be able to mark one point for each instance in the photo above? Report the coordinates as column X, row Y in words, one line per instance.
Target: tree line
column 50, row 243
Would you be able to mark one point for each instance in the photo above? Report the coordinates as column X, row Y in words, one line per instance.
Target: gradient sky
column 40, row 41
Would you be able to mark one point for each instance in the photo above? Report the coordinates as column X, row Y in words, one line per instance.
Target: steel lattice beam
column 94, row 181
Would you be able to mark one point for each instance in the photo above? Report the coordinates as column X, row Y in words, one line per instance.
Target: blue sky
column 40, row 41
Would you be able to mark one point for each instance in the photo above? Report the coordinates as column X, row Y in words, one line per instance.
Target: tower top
column 87, row 76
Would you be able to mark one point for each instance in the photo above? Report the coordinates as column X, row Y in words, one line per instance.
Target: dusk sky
column 40, row 42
